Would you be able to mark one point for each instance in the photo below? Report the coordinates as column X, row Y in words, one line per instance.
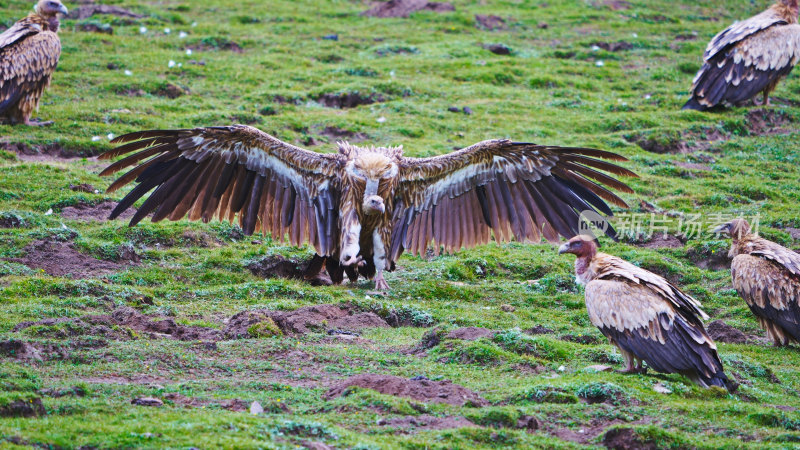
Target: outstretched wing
column 28, row 57
column 746, row 68
column 515, row 190
column 741, row 30
column 227, row 172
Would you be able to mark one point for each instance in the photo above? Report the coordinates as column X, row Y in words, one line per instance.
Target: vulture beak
column 723, row 229
column 63, row 10
column 563, row 249
column 374, row 204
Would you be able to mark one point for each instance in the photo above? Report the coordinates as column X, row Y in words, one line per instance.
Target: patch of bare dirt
column 63, row 259
column 23, row 408
column 768, row 122
column 235, row 404
column 100, row 212
column 276, row 266
column 660, row 240
column 86, row 11
column 96, row 28
column 425, row 422
column 20, row 350
column 614, row 46
column 614, row 5
column 337, row 133
column 793, row 232
column 538, row 329
column 722, row 332
column 404, row 8
column 693, row 166
column 626, row 439
column 172, row 91
column 686, row 36
column 422, row 390
column 304, row 320
column 346, row 100
column 490, row 22
column 124, row 323
column 678, row 143
column 713, row 261
column 226, row 45
column 470, row 333
column 38, row 153
column 83, row 187
column 498, row 49
column 586, row 339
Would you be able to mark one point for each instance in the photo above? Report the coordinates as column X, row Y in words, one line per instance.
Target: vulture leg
column 379, row 256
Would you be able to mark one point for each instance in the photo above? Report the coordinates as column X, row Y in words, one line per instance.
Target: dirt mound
column 490, row 23
column 767, row 122
column 340, row 133
column 235, row 404
column 86, row 212
column 426, row 422
column 722, row 332
column 709, row 260
column 23, row 408
column 470, row 333
column 498, row 49
column 677, row 142
column 345, row 100
column 276, row 266
column 13, row 348
column 171, row 91
column 538, row 329
column 403, row 8
column 626, row 439
column 62, row 259
column 124, row 323
column 423, row 390
column 586, row 339
column 41, row 153
column 86, row 11
column 659, row 240
column 303, row 320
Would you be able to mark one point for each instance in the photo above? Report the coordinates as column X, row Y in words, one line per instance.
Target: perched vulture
column 748, row 57
column 646, row 317
column 362, row 207
column 29, row 52
column 767, row 276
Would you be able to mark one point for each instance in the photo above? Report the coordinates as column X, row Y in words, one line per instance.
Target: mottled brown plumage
column 767, row 276
column 646, row 317
column 29, row 53
column 748, row 58
column 362, row 207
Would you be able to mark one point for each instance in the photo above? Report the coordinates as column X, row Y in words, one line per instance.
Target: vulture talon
column 29, row 55
column 662, row 325
column 380, row 283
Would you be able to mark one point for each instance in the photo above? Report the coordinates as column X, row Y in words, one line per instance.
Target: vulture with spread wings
column 748, row 57
column 362, row 207
column 29, row 53
column 767, row 276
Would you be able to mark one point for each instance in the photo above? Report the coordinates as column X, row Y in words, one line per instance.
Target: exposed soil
column 236, row 405
column 227, row 45
column 470, row 333
column 424, row 390
column 614, row 46
column 490, row 23
column 170, row 90
column 538, row 329
column 96, row 28
column 660, row 240
column 83, row 187
column 425, row 422
column 616, row 5
column 23, row 408
column 304, row 320
column 714, row 261
column 342, row 134
column 39, row 153
column 100, row 212
column 124, row 323
column 793, row 232
column 62, row 259
column 348, row 99
column 626, row 439
column 403, row 8
column 86, row 11
column 498, row 49
column 21, row 350
column 767, row 122
column 586, row 339
column 276, row 266
column 722, row 332
column 11, row 221
column 678, row 143
column 693, row 166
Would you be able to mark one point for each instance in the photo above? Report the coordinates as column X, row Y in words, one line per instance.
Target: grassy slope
column 542, row 92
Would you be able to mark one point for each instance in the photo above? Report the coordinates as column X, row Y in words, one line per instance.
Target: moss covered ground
column 607, row 74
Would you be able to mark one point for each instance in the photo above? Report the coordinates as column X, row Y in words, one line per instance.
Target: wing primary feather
column 480, row 191
column 253, row 204
column 289, row 207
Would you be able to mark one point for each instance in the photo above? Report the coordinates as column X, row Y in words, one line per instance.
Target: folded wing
column 28, row 57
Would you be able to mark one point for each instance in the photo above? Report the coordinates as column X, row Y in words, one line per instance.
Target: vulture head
column 50, row 9
column 736, row 229
column 581, row 246
column 372, row 172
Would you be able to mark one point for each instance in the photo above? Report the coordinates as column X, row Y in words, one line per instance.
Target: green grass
column 551, row 89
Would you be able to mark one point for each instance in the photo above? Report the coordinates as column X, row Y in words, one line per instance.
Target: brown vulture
column 767, row 276
column 748, row 57
column 362, row 207
column 29, row 52
column 646, row 317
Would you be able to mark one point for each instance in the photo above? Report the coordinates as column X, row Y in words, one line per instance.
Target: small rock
column 147, row 401
column 467, row 110
column 661, row 389
column 599, row 368
column 256, row 408
column 498, row 49
column 507, row 308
